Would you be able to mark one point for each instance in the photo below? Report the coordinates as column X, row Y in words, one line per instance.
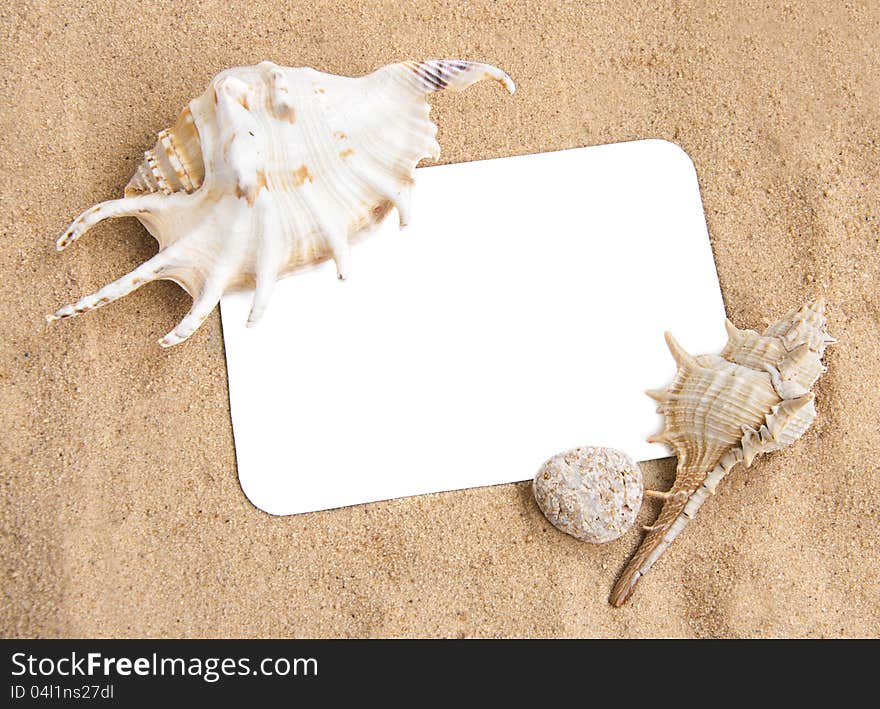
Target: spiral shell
column 273, row 170
column 722, row 410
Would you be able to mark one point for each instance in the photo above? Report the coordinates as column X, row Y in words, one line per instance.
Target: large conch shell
column 272, row 170
column 722, row 410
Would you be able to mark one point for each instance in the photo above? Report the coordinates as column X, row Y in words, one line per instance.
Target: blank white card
column 520, row 314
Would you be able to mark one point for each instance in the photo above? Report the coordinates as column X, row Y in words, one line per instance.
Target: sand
column 121, row 510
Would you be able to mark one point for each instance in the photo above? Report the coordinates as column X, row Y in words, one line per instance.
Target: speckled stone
column 593, row 494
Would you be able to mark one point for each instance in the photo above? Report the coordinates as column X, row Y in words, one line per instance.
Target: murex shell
column 593, row 494
column 720, row 410
column 273, row 170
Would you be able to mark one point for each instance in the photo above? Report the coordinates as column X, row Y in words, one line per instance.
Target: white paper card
column 520, row 314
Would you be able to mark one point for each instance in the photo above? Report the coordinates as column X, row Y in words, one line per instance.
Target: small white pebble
column 593, row 494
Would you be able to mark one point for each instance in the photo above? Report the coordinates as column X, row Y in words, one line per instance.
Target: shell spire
column 723, row 410
column 174, row 164
column 273, row 170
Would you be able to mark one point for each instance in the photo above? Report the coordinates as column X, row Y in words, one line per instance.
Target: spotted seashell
column 593, row 494
column 273, row 170
column 722, row 410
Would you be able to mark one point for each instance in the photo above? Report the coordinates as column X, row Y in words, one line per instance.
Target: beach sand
column 121, row 510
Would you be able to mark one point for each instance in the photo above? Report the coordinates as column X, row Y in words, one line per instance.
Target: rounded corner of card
column 263, row 498
column 673, row 153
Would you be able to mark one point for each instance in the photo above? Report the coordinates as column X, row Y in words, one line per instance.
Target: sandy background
column 121, row 510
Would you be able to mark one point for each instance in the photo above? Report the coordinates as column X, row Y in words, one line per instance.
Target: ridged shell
column 706, row 407
column 722, row 410
column 273, row 170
